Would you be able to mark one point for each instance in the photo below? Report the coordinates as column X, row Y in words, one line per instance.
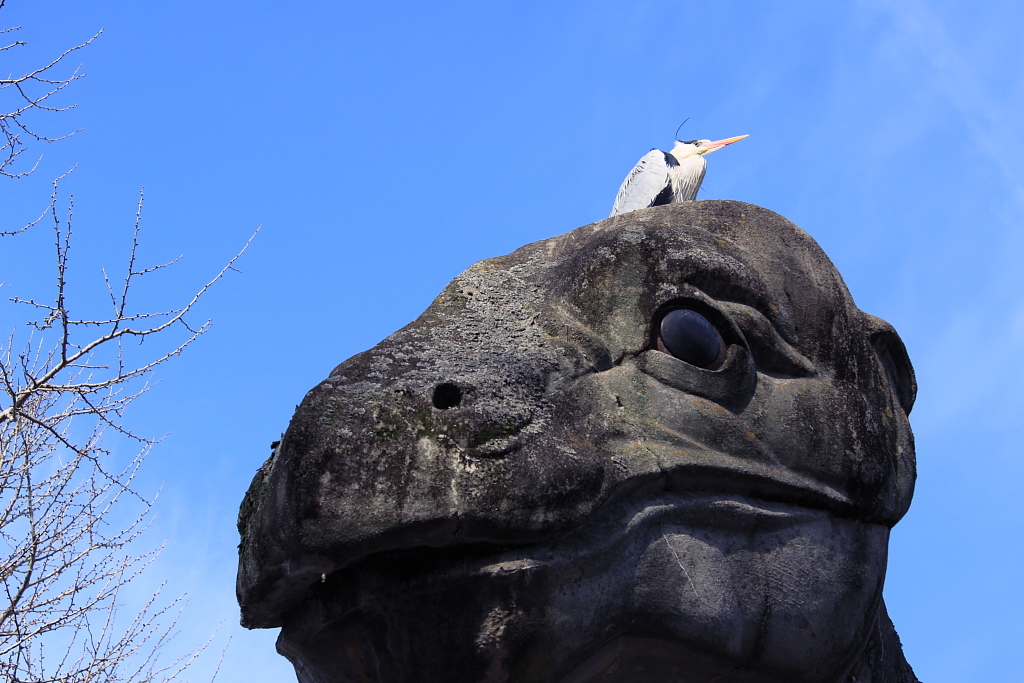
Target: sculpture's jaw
column 722, row 581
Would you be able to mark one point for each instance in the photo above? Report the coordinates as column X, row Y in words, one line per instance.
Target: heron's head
column 688, row 148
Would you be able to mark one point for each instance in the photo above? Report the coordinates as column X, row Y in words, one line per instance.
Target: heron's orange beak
column 717, row 144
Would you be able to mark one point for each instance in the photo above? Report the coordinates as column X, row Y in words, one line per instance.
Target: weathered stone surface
column 519, row 486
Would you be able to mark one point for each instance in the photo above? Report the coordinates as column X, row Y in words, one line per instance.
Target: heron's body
column 667, row 177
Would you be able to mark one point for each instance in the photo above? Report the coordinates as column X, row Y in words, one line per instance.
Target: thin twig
column 65, row 561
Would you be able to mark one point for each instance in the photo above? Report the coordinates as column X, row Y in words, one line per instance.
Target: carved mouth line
column 687, row 465
column 424, row 569
column 758, row 482
column 716, row 499
column 721, row 511
column 710, row 500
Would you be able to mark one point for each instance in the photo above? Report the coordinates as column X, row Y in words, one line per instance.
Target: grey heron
column 666, row 177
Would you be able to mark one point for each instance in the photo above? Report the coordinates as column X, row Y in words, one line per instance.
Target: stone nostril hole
column 447, row 396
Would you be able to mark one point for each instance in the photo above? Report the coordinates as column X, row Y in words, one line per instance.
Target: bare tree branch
column 22, row 95
column 66, row 549
column 71, row 518
column 71, row 354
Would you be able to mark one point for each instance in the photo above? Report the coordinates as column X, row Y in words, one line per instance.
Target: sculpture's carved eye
column 690, row 337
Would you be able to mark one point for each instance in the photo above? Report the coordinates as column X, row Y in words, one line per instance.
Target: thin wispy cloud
column 988, row 107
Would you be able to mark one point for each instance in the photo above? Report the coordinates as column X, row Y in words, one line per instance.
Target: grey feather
column 643, row 184
column 658, row 178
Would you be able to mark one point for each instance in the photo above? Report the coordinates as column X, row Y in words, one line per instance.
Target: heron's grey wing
column 643, row 184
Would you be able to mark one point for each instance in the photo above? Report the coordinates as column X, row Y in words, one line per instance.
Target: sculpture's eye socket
column 690, row 337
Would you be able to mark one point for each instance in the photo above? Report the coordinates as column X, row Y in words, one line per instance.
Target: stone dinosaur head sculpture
column 662, row 447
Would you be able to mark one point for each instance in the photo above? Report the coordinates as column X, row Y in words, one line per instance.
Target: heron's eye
column 690, row 337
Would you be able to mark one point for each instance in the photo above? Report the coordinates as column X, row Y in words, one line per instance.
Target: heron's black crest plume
column 676, row 136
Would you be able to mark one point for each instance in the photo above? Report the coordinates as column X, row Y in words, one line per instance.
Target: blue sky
column 384, row 147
